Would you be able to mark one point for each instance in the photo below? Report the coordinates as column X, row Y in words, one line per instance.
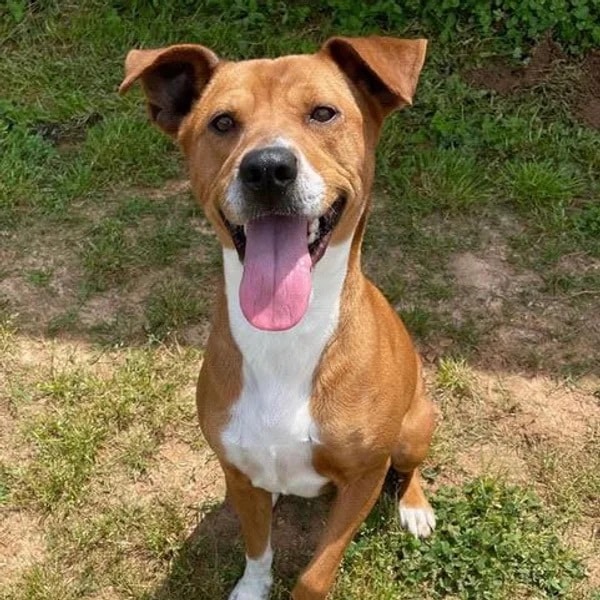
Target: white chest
column 271, row 434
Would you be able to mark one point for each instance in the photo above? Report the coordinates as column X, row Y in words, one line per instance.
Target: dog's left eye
column 323, row 114
column 223, row 123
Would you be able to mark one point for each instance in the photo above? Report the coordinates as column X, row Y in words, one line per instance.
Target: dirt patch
column 588, row 104
column 29, row 257
column 546, row 58
column 11, row 452
column 173, row 187
column 100, row 309
column 585, row 538
column 195, row 475
column 108, row 593
column 66, row 133
column 490, row 275
column 504, row 78
column 493, row 459
column 521, row 320
column 509, row 415
column 190, row 474
column 551, row 410
column 21, row 544
column 35, row 354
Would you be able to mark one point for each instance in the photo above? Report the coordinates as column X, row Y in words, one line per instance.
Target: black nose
column 269, row 171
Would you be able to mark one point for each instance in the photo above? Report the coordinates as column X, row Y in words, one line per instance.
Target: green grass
column 106, row 254
column 455, row 377
column 85, row 413
column 39, row 277
column 172, row 304
column 492, row 543
column 109, row 270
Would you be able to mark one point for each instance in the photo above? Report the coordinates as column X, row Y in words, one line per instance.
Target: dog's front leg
column 253, row 507
column 352, row 504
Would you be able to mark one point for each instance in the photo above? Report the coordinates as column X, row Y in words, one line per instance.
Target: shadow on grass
column 211, row 559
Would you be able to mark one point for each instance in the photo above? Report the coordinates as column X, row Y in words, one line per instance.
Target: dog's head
column 280, row 152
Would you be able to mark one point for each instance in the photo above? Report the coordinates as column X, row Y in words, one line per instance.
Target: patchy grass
column 86, row 412
column 173, row 304
column 484, row 235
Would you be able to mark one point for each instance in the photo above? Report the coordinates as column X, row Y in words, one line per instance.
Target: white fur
column 419, row 521
column 256, row 581
column 271, row 433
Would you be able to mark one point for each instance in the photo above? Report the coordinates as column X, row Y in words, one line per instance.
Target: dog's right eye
column 323, row 114
column 223, row 123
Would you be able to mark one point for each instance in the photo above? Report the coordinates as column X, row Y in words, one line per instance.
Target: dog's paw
column 418, row 521
column 252, row 586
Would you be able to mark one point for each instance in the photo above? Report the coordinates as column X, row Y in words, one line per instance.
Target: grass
column 455, row 377
column 172, row 305
column 487, row 528
column 109, row 270
column 83, row 412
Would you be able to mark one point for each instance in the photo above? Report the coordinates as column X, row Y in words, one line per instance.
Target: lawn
column 485, row 236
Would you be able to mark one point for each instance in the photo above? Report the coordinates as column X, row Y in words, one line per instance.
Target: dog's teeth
column 313, row 231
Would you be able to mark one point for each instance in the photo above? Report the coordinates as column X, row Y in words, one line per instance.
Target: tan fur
column 368, row 398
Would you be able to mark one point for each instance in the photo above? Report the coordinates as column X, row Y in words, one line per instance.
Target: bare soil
column 546, row 58
column 22, row 543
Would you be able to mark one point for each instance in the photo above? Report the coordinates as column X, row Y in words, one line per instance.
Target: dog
column 309, row 379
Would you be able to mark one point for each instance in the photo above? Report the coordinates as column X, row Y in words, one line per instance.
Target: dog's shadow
column 211, row 559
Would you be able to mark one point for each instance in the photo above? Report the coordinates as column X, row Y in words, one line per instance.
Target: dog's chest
column 270, row 438
column 271, row 434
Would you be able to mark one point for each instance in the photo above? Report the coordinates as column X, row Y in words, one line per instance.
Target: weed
column 42, row 582
column 65, row 322
column 539, row 185
column 587, row 223
column 166, row 242
column 484, row 528
column 105, row 254
column 455, row 378
column 445, row 179
column 39, row 277
column 418, row 321
column 171, row 306
column 4, row 485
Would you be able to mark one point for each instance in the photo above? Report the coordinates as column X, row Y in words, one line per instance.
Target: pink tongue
column 276, row 283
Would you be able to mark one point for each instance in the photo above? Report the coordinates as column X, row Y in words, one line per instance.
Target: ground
column 484, row 235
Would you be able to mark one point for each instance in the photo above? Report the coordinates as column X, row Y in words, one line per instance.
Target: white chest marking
column 271, row 434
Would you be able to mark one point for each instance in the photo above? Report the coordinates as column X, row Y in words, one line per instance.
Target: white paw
column 419, row 521
column 251, row 589
column 256, row 582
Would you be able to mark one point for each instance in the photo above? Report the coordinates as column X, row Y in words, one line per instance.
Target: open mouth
column 278, row 253
column 318, row 231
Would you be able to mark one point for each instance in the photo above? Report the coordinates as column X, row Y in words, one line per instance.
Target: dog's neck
column 273, row 353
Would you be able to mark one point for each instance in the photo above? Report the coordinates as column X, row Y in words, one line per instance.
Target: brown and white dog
column 309, row 376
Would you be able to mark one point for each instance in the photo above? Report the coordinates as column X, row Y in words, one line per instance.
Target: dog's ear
column 172, row 78
column 385, row 68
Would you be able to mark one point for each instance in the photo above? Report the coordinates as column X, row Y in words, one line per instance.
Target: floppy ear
column 172, row 79
column 385, row 68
